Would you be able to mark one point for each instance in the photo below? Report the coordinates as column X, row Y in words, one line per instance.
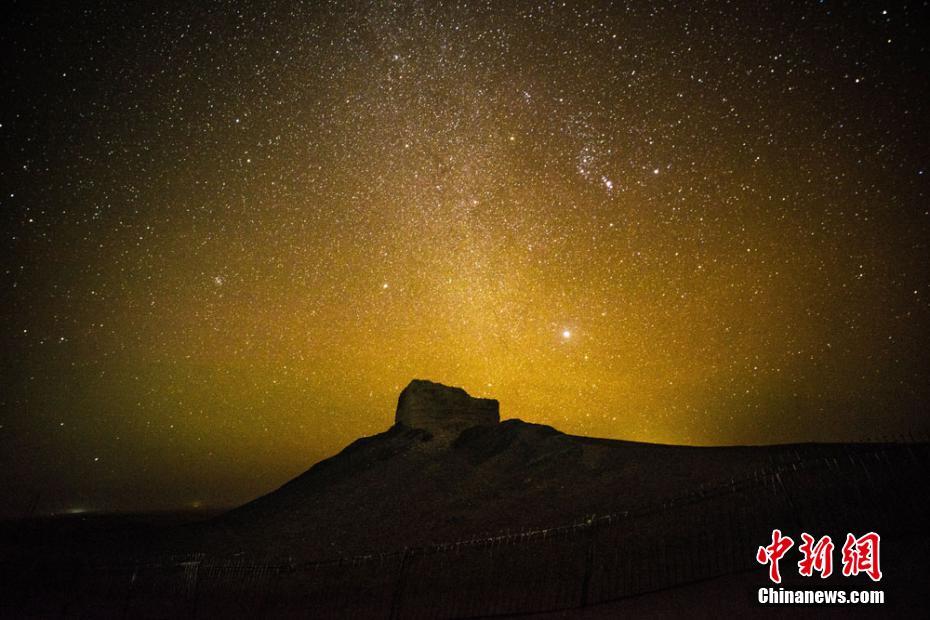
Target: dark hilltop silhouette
column 454, row 513
column 450, row 469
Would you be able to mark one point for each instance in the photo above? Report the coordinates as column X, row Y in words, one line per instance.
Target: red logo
column 773, row 553
column 817, row 557
column 860, row 555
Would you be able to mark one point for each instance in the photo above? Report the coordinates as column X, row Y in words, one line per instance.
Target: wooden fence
column 701, row 535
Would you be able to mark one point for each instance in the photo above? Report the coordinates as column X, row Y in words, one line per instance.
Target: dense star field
column 232, row 233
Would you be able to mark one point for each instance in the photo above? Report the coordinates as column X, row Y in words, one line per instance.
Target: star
column 367, row 195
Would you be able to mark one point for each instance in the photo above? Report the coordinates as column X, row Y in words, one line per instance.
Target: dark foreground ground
column 598, row 529
column 734, row 595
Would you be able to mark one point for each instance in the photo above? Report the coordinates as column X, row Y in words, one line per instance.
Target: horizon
column 200, row 508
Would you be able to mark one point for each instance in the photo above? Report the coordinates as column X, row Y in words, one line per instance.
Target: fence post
column 129, row 591
column 397, row 599
column 193, row 570
column 589, row 563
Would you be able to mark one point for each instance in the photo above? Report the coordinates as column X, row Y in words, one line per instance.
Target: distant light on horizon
column 76, row 510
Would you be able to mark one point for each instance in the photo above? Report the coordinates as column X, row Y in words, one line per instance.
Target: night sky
column 232, row 233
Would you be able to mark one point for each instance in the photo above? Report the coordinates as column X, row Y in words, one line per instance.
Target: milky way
column 232, row 234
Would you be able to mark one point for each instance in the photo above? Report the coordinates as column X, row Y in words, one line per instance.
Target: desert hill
column 450, row 470
column 454, row 513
